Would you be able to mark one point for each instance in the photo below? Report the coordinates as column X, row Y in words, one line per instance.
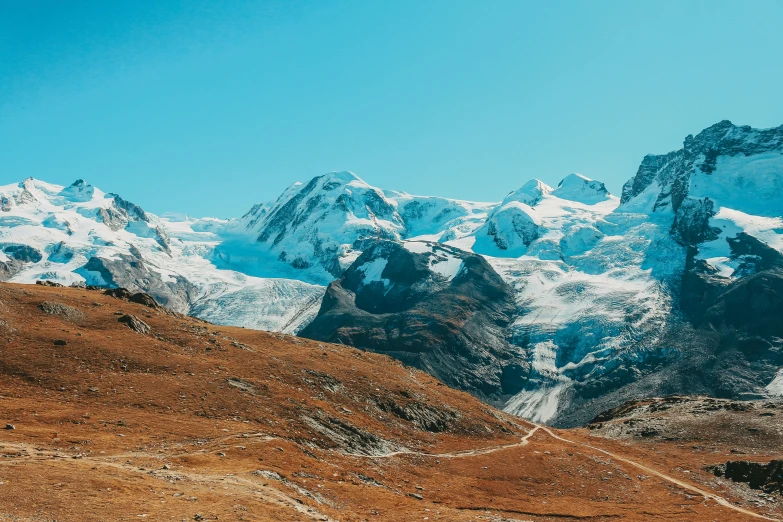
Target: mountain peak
column 339, row 178
column 78, row 191
column 579, row 188
column 530, row 193
column 665, row 179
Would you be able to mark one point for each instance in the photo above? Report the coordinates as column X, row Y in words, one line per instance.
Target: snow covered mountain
column 78, row 234
column 653, row 292
column 586, row 295
column 321, row 227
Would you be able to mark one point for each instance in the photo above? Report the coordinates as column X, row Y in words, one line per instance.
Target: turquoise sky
column 207, row 108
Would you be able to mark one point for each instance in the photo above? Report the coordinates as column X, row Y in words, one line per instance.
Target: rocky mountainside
column 675, row 287
column 181, row 419
column 433, row 307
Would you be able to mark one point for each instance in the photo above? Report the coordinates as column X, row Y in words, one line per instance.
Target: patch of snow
column 373, row 271
column 417, row 247
column 776, row 386
column 280, row 305
column 539, row 405
column 445, row 264
column 749, row 184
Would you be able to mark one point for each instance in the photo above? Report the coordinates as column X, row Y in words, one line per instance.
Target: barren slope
column 198, row 422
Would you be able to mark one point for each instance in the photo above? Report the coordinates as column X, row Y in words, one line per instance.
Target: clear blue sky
column 209, row 107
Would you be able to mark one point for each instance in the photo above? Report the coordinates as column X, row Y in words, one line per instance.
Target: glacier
column 597, row 279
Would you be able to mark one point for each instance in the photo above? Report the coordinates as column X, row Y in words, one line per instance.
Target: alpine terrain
column 116, row 408
column 555, row 304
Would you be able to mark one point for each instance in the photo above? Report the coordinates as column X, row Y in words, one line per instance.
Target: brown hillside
column 122, row 411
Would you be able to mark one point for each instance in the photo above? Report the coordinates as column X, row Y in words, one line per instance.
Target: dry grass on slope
column 200, row 422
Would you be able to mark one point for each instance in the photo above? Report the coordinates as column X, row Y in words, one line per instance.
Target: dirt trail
column 453, row 454
column 525, row 440
column 261, row 489
column 707, row 495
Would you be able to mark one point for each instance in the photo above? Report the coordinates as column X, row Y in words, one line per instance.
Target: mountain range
column 555, row 303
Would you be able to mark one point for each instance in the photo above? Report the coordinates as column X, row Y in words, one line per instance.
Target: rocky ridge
column 613, row 298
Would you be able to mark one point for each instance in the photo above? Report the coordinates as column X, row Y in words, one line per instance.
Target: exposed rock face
column 120, row 213
column 423, row 416
column 131, row 272
column 310, row 223
column 676, row 290
column 135, row 324
column 139, row 297
column 433, row 307
column 766, row 477
column 320, row 227
column 691, row 222
column 66, row 312
column 23, row 253
column 721, row 194
column 131, row 211
column 78, row 191
column 18, row 257
column 669, row 176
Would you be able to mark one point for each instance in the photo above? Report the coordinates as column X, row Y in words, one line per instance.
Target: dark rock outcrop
column 423, row 416
column 135, row 324
column 724, row 334
column 744, row 311
column 120, row 213
column 131, row 272
column 672, row 171
column 452, row 328
column 23, row 253
column 18, row 256
column 766, row 477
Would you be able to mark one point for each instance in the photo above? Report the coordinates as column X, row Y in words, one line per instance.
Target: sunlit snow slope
column 602, row 284
column 78, row 234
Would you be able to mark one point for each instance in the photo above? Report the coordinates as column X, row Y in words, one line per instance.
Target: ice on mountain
column 508, row 231
column 446, row 265
column 750, row 184
column 57, row 222
column 579, row 239
column 545, row 249
column 15, row 221
column 79, row 191
column 312, row 225
column 775, row 388
column 539, row 404
column 432, row 217
column 141, row 229
column 60, row 253
column 442, row 260
column 280, row 305
column 576, row 187
column 417, row 247
column 530, row 193
column 592, row 280
column 92, row 278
